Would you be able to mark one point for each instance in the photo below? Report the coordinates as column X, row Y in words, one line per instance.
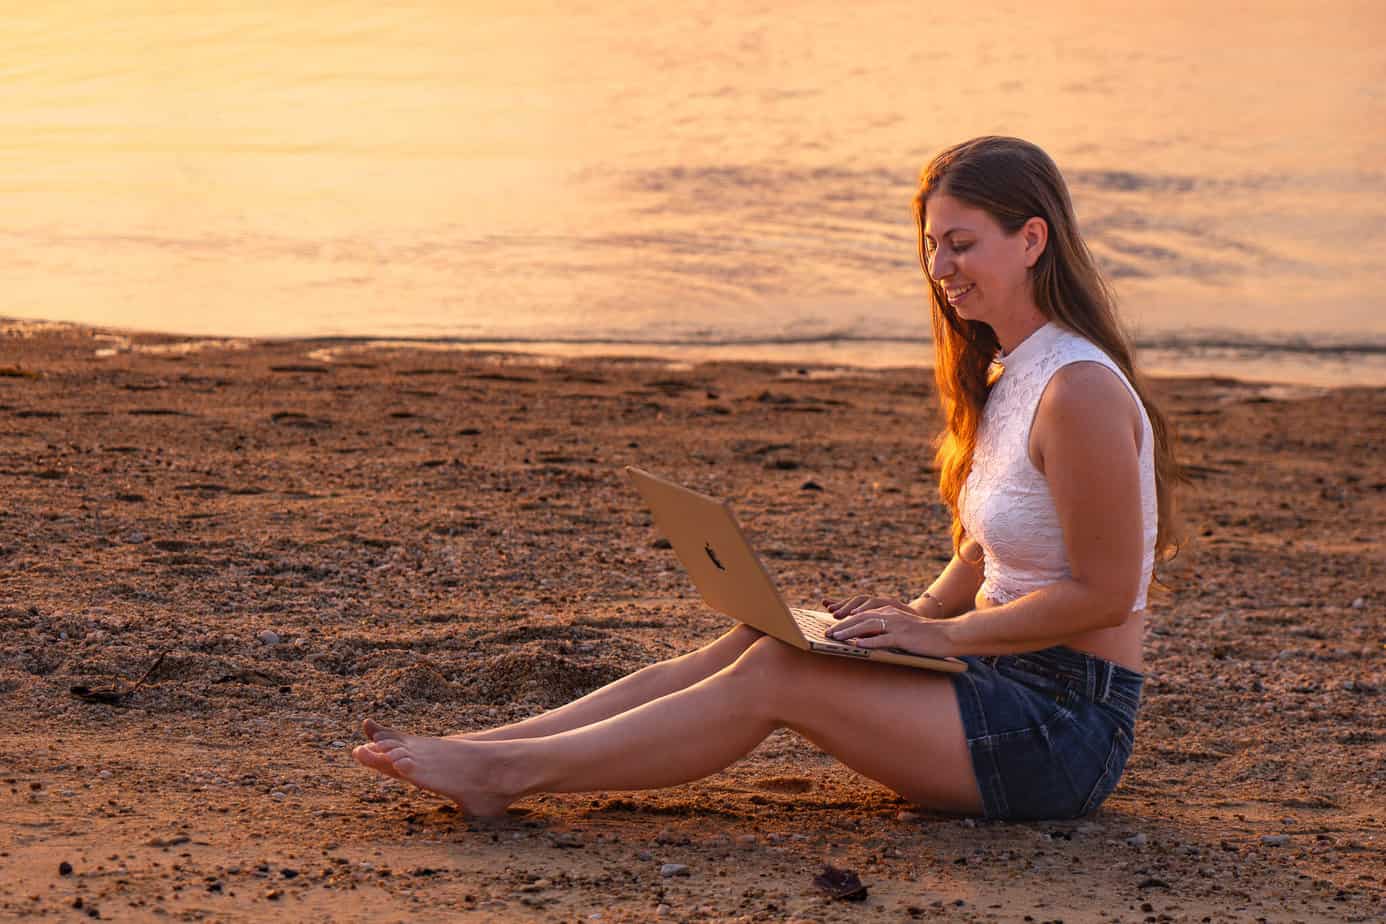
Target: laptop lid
column 725, row 569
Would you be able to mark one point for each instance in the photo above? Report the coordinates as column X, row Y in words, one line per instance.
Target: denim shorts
column 1049, row 731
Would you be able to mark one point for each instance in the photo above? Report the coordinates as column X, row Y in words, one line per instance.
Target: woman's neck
column 1014, row 331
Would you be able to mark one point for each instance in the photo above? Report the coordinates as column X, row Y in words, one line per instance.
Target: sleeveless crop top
column 1005, row 503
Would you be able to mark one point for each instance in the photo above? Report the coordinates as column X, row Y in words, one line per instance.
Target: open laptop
column 732, row 580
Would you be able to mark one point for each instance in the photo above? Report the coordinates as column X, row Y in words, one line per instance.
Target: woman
column 1057, row 468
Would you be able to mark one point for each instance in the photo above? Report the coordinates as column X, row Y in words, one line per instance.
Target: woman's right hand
column 841, row 609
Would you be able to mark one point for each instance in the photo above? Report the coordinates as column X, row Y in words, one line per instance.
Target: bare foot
column 452, row 768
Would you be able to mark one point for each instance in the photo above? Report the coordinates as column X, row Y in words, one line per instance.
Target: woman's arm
column 952, row 592
column 1085, row 438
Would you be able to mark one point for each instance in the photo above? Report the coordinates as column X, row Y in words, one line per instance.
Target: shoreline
column 1289, row 364
column 443, row 540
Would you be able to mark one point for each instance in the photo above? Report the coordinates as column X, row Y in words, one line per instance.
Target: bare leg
column 648, row 683
column 898, row 726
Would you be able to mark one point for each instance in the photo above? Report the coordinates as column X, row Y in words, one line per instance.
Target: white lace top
column 1005, row 504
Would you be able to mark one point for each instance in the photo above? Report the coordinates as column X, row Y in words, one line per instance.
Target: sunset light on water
column 734, row 177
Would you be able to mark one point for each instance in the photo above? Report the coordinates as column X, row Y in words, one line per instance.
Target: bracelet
column 939, row 603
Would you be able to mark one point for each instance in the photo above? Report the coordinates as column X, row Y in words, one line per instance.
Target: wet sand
column 311, row 533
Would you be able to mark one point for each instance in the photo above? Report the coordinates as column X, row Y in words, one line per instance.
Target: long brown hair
column 1014, row 181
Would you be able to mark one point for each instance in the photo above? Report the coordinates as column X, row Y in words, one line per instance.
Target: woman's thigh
column 897, row 725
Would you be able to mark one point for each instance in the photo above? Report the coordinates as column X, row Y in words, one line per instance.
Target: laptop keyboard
column 814, row 624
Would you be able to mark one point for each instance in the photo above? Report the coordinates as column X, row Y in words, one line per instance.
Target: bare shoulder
column 1085, row 401
column 1088, row 388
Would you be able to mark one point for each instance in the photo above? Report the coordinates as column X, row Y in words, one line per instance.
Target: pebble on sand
column 674, row 869
column 1275, row 840
column 267, row 637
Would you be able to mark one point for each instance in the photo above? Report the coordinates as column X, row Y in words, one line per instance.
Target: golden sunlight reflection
column 628, row 170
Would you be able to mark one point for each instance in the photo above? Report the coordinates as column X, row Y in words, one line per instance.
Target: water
column 731, row 179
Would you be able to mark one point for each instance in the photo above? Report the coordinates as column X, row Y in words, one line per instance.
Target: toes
column 378, row 733
column 366, row 756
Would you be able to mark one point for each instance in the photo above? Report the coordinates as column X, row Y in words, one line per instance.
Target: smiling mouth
column 955, row 294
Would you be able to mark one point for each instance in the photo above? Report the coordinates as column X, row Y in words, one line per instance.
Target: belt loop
column 1104, row 679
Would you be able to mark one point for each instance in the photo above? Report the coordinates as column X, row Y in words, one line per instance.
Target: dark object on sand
column 114, row 696
column 841, row 883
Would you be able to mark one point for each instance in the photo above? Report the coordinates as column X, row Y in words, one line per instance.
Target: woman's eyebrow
column 946, row 233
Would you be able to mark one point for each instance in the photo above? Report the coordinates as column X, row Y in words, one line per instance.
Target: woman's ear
column 1036, row 234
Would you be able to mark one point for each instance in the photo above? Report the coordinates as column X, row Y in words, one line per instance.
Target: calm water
column 733, row 177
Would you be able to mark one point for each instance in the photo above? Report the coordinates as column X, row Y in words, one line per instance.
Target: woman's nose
column 939, row 267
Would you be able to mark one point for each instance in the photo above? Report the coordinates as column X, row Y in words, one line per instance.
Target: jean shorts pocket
column 1111, row 771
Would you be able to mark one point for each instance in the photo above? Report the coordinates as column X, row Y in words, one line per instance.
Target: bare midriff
column 1118, row 644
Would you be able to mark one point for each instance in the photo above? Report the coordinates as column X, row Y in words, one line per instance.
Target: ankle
column 508, row 772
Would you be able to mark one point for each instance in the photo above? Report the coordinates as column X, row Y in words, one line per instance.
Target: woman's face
column 983, row 270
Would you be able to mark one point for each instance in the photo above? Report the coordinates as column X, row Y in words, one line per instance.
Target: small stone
column 105, row 774
column 1359, row 603
column 64, row 868
column 1275, row 840
column 274, row 894
column 1137, row 840
column 339, row 744
column 668, row 835
column 568, row 839
column 662, row 910
column 674, row 869
column 277, row 795
column 810, row 486
column 644, row 855
column 746, row 841
column 267, row 637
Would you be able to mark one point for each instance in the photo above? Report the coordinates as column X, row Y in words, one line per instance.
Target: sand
column 313, row 532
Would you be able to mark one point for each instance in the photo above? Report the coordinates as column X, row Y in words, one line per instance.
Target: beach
column 294, row 535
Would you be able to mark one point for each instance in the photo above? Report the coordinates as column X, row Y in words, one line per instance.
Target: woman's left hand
column 895, row 625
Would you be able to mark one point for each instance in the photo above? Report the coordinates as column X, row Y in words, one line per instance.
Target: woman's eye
column 961, row 248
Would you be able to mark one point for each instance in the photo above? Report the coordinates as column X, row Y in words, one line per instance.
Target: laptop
column 732, row 580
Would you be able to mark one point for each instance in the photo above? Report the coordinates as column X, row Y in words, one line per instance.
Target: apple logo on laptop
column 707, row 547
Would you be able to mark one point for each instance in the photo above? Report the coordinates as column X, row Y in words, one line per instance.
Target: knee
column 745, row 636
column 766, row 659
